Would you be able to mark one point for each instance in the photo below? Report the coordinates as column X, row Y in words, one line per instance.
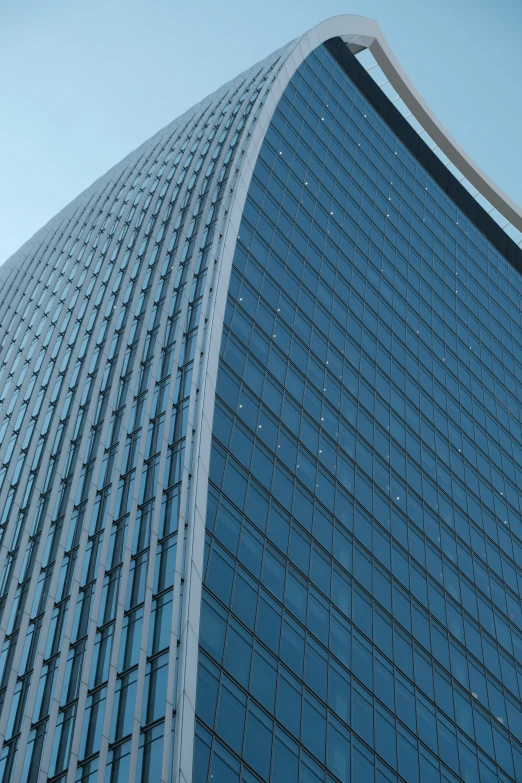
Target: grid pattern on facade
column 103, row 329
column 361, row 617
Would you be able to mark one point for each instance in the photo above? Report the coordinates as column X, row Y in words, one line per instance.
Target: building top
column 365, row 35
column 364, row 38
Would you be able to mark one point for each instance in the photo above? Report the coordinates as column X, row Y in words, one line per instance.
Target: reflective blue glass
column 361, row 618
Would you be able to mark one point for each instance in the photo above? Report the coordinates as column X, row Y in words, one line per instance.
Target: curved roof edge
column 360, row 33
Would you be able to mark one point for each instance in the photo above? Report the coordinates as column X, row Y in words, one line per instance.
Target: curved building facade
column 260, row 449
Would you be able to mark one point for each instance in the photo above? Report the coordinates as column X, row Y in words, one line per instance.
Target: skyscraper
column 261, row 448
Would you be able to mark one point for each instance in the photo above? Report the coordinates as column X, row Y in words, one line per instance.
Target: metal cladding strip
column 78, row 273
column 203, row 114
column 143, row 273
column 17, row 319
column 136, row 366
column 110, row 328
column 358, row 33
column 54, row 492
column 67, row 300
column 72, row 419
column 144, row 270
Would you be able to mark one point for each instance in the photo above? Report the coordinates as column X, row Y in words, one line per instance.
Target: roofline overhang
column 359, row 33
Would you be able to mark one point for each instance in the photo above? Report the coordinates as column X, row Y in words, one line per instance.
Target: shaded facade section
column 361, row 617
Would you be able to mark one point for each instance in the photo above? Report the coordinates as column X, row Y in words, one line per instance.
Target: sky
column 84, row 83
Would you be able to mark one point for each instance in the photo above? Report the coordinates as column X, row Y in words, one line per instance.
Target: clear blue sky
column 84, row 83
